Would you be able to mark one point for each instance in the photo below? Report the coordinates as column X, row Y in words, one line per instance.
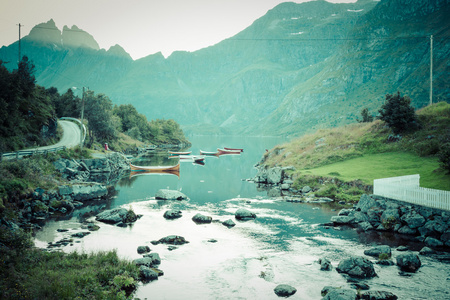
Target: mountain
column 297, row 68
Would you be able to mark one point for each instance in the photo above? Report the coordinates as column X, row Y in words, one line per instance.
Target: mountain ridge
column 298, row 68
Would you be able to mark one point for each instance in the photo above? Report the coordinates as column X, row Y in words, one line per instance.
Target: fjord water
column 281, row 246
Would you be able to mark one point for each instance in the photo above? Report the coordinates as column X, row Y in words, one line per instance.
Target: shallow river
column 249, row 260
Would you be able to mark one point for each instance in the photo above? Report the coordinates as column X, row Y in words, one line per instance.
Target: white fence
column 407, row 189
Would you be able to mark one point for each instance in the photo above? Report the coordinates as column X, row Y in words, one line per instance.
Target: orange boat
column 224, row 151
column 156, row 169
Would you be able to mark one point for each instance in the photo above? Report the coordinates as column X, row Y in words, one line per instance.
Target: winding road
column 71, row 137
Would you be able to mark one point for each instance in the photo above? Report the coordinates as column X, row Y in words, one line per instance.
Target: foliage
column 66, row 105
column 366, row 117
column 444, row 153
column 398, row 113
column 55, row 275
column 383, row 256
column 25, row 108
column 98, row 113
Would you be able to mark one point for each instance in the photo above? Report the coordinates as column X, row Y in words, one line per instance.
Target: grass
column 55, row 275
column 373, row 166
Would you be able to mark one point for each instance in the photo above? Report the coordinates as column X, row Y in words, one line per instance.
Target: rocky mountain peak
column 75, row 37
column 45, row 32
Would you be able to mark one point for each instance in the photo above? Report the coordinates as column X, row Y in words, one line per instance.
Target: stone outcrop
column 408, row 262
column 431, row 226
column 117, row 216
column 172, row 214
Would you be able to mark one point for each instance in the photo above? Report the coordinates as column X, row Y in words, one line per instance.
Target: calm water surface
column 249, row 260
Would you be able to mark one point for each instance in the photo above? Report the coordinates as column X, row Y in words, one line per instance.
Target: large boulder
column 409, row 262
column 284, row 290
column 244, row 214
column 357, row 266
column 112, row 216
column 274, row 175
column 365, row 203
column 155, row 259
column 413, row 219
column 343, row 220
column 229, row 223
column 164, row 194
column 83, row 192
column 376, row 251
column 325, row 264
column 147, row 274
column 172, row 214
column 201, row 219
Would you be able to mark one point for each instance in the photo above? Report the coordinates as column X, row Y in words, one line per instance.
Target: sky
column 141, row 27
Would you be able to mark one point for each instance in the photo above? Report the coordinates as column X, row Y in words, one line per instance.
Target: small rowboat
column 194, row 158
column 234, row 149
column 179, row 153
column 223, row 151
column 156, row 169
column 209, row 153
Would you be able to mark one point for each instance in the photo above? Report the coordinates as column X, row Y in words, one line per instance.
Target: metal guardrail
column 22, row 153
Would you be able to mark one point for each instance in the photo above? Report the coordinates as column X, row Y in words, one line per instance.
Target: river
column 281, row 246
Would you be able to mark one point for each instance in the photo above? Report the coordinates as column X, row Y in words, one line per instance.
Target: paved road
column 71, row 137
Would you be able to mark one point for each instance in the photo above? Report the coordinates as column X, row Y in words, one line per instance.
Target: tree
column 98, row 113
column 366, row 117
column 398, row 113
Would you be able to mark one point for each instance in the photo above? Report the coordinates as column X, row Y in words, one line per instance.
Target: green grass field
column 373, row 166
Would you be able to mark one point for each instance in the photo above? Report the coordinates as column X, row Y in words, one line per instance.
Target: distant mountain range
column 298, row 68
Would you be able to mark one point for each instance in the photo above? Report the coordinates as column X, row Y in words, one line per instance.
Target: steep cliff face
column 298, row 68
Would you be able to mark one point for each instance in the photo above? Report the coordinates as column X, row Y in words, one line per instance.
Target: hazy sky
column 141, row 27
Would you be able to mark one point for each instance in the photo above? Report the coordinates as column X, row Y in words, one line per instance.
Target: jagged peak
column 45, row 32
column 76, row 37
column 117, row 50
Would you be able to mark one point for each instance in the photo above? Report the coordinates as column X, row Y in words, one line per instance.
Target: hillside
column 361, row 152
column 298, row 68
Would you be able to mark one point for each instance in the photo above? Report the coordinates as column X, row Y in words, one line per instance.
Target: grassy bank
column 357, row 154
column 30, row 273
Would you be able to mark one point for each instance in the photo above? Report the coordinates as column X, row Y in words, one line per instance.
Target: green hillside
column 363, row 152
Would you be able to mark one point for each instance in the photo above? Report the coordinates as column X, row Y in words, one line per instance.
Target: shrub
column 398, row 113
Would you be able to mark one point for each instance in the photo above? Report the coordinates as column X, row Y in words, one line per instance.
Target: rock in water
column 244, row 214
column 284, row 290
column 201, row 219
column 357, row 266
column 409, row 262
column 170, row 195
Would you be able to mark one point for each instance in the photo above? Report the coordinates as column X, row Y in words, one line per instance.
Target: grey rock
column 112, row 216
column 433, row 243
column 408, row 262
column 244, row 214
column 274, row 175
column 156, row 260
column 366, row 226
column 357, row 266
column 284, row 290
column 413, row 220
column 173, row 214
column 426, row 251
column 325, row 264
column 147, row 274
column 88, row 192
column 407, row 230
column 402, row 248
column 201, row 219
column 345, row 212
column 340, row 294
column 143, row 249
column 365, row 203
column 164, row 194
column 343, row 220
column 376, row 251
column 172, row 240
column 306, row 189
column 229, row 223
column 378, row 295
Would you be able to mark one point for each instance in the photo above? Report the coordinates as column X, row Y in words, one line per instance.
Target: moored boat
column 234, row 149
column 179, row 153
column 223, row 151
column 155, row 169
column 209, row 153
column 194, row 158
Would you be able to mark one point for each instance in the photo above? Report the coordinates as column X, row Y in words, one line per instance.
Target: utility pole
column 431, row 69
column 82, row 116
column 20, row 25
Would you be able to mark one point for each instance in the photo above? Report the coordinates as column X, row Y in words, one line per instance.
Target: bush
column 444, row 153
column 398, row 113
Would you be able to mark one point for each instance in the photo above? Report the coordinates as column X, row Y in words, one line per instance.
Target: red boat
column 234, row 149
